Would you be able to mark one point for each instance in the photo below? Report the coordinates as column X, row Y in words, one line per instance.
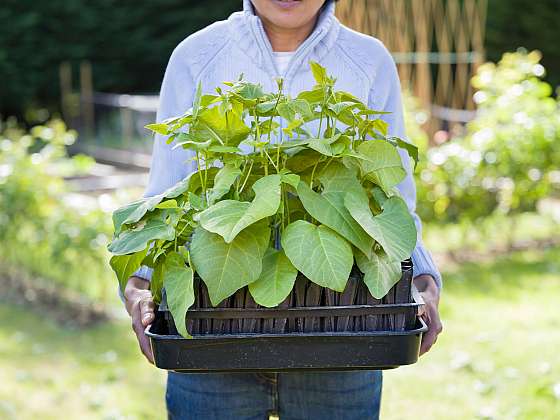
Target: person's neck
column 287, row 39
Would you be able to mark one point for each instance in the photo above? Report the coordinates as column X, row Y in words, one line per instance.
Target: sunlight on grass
column 96, row 373
column 497, row 358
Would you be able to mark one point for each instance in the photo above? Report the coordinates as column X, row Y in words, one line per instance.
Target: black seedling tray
column 245, row 352
column 315, row 328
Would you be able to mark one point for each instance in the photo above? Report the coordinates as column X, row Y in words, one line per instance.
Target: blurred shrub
column 128, row 43
column 39, row 232
column 509, row 158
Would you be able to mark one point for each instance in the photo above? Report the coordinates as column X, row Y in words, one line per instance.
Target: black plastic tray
column 332, row 351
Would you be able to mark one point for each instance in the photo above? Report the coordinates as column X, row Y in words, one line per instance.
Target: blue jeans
column 303, row 396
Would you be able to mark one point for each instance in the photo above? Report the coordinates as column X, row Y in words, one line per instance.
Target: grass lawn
column 498, row 357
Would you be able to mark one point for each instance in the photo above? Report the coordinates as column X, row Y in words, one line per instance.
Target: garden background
column 488, row 192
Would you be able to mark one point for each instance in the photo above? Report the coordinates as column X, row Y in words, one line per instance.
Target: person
column 272, row 38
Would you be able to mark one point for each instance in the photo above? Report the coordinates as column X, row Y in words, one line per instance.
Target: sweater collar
column 248, row 31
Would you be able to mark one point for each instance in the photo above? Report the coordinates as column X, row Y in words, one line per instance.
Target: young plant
column 284, row 185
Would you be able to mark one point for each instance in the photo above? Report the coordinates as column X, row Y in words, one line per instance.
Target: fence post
column 86, row 99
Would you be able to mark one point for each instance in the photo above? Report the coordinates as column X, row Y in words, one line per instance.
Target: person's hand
column 140, row 306
column 429, row 291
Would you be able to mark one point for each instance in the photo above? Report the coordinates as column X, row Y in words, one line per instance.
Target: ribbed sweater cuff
column 424, row 264
column 144, row 272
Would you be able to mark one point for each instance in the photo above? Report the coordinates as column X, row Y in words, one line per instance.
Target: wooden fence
column 437, row 45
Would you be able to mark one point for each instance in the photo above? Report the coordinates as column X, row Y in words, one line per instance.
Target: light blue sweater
column 222, row 51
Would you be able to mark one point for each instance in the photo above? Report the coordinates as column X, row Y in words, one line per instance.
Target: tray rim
column 349, row 334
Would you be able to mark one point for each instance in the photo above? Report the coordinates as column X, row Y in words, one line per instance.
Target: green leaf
column 276, row 280
column 264, row 108
column 249, row 91
column 125, row 265
column 379, row 125
column 290, row 179
column 319, row 72
column 381, row 163
column 225, row 178
column 410, row 148
column 295, row 109
column 321, row 146
column 180, row 187
column 229, row 217
column 303, row 160
column 289, row 129
column 339, row 107
column 188, row 142
column 196, row 202
column 159, row 128
column 328, row 208
column 137, row 239
column 342, row 96
column 156, row 283
column 228, row 129
column 320, row 253
column 380, row 272
column 168, row 204
column 133, row 212
column 393, row 229
column 179, row 290
column 227, row 267
column 313, row 96
column 337, row 178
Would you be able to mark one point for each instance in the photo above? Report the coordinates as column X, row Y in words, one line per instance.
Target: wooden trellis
column 437, row 44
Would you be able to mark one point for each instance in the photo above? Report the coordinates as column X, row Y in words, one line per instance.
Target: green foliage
column 178, row 283
column 282, row 201
column 320, row 253
column 509, row 158
column 39, row 231
column 128, row 43
column 276, row 281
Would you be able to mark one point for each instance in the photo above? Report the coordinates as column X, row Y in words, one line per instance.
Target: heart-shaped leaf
column 227, row 267
column 393, row 229
column 381, row 163
column 380, row 272
column 337, row 178
column 328, row 208
column 320, row 253
column 229, row 217
column 228, row 131
column 276, row 280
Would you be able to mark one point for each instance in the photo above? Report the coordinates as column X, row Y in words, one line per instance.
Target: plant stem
column 286, row 208
column 205, row 176
column 200, row 173
column 271, row 161
column 313, row 174
column 270, row 130
column 247, row 177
